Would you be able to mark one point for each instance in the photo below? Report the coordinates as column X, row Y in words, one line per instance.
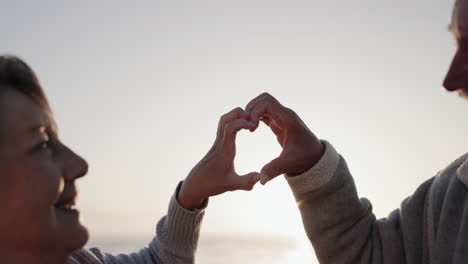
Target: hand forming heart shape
column 215, row 173
column 301, row 148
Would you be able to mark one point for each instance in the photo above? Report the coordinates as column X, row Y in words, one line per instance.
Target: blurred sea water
column 223, row 249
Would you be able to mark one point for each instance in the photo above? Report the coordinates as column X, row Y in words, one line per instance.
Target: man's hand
column 215, row 173
column 301, row 148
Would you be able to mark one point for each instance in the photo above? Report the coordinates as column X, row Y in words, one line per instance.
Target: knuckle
column 235, row 111
column 223, row 118
column 251, row 104
column 238, row 110
column 268, row 97
column 228, row 116
column 289, row 111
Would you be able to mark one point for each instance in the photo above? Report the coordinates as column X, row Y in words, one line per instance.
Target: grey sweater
column 431, row 226
column 175, row 241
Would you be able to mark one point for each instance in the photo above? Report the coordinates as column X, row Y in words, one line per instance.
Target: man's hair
column 16, row 74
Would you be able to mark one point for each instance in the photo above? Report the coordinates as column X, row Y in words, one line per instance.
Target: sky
column 137, row 88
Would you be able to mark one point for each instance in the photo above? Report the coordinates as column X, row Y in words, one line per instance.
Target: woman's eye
column 44, row 145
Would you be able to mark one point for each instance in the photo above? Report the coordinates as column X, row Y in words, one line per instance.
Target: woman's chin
column 74, row 239
column 71, row 233
column 82, row 237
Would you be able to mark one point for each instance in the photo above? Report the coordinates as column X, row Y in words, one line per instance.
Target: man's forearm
column 338, row 224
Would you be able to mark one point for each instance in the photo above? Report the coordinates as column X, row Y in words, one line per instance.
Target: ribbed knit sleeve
column 175, row 241
column 317, row 176
column 343, row 228
column 177, row 233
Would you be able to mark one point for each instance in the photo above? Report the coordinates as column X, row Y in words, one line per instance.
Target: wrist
column 315, row 155
column 189, row 200
column 292, row 174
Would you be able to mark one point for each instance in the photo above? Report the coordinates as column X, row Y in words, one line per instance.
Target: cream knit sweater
column 430, row 227
column 175, row 241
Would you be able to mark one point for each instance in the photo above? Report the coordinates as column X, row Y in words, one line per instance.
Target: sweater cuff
column 318, row 175
column 181, row 219
column 181, row 227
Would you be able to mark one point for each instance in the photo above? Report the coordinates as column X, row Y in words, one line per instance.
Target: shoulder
column 442, row 189
column 454, row 166
column 449, row 189
column 453, row 174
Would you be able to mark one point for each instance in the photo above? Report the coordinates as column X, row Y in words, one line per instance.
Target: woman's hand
column 215, row 173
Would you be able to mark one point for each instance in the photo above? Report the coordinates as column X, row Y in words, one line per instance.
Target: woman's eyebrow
column 44, row 127
column 37, row 130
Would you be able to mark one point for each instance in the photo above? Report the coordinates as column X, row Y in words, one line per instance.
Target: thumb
column 245, row 182
column 273, row 169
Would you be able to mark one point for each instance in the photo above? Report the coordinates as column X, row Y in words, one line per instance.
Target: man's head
column 457, row 76
column 37, row 171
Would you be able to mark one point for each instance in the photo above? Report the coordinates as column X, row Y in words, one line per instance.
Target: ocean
column 223, row 249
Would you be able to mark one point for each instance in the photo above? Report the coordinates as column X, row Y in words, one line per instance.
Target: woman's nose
column 74, row 166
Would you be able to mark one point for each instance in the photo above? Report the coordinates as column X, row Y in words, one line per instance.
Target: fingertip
column 254, row 117
column 264, row 179
column 254, row 127
column 247, row 181
column 274, row 168
column 256, row 178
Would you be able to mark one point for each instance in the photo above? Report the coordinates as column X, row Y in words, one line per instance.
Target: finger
column 266, row 119
column 264, row 104
column 272, row 124
column 245, row 182
column 260, row 98
column 232, row 115
column 231, row 129
column 279, row 133
column 273, row 169
column 276, row 130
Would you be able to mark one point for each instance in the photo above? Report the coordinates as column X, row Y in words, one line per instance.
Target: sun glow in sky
column 138, row 87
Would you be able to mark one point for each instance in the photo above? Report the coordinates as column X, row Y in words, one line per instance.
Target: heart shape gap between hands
column 255, row 149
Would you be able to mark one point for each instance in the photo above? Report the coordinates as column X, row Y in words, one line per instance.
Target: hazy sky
column 138, row 86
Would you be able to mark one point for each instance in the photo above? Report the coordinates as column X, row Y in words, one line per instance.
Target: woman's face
column 37, row 174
